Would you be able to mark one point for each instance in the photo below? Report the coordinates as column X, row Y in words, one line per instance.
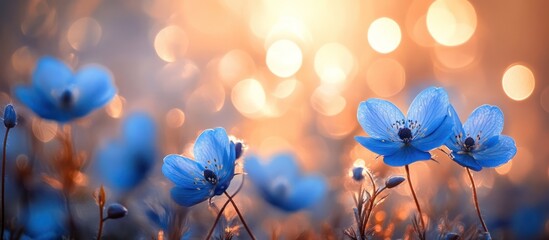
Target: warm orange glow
column 171, row 43
column 288, row 27
column 175, row 118
column 505, row 168
column 44, row 130
column 333, row 63
column 327, row 102
column 518, row 82
column 384, row 35
column 235, row 65
column 84, row 33
column 519, row 172
column 284, row 58
column 285, row 88
column 248, row 96
column 115, row 107
column 451, row 22
column 22, row 60
column 386, row 77
column 544, row 99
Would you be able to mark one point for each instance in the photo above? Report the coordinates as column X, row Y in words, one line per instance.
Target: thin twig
column 223, row 209
column 415, row 197
column 239, row 215
column 475, row 199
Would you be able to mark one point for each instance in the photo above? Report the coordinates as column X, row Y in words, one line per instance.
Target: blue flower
column 123, row 163
column 208, row 175
column 282, row 185
column 404, row 140
column 58, row 94
column 479, row 143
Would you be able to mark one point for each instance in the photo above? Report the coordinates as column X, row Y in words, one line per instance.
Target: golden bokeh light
column 284, row 58
column 456, row 57
column 44, row 130
column 171, row 43
column 248, row 97
column 115, row 107
column 84, row 34
column 285, row 88
column 175, row 118
column 327, row 102
column 22, row 60
column 505, row 168
column 288, row 27
column 451, row 22
column 333, row 63
column 386, row 77
column 518, row 82
column 235, row 65
column 384, row 35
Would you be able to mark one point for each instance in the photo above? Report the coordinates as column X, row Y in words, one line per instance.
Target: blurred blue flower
column 58, row 94
column 47, row 216
column 209, row 174
column 123, row 163
column 479, row 143
column 282, row 185
column 404, row 140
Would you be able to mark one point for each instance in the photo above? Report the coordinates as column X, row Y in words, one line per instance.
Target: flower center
column 210, row 176
column 469, row 143
column 405, row 134
column 66, row 99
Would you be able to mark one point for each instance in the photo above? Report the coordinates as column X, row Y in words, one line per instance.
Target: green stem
column 415, row 197
column 4, row 179
column 475, row 199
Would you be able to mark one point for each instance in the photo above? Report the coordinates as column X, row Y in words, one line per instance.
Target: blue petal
column 467, row 161
column 36, row 102
column 429, row 109
column 212, row 148
column 437, row 137
column 256, row 171
column 307, row 192
column 283, row 165
column 452, row 142
column 376, row 117
column 189, row 197
column 94, row 89
column 405, row 156
column 139, row 130
column 486, row 121
column 51, row 76
column 183, row 171
column 381, row 147
column 500, row 153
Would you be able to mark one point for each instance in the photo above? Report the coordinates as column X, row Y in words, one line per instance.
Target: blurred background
column 288, row 76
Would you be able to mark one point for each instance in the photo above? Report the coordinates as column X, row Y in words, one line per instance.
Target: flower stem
column 100, row 222
column 240, row 215
column 223, row 209
column 475, row 199
column 371, row 201
column 415, row 197
column 4, row 178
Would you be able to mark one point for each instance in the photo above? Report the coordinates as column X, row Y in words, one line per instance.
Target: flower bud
column 116, row 210
column 238, row 149
column 358, row 173
column 452, row 236
column 394, row 181
column 10, row 117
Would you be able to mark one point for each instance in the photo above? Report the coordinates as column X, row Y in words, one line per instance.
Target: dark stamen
column 210, row 176
column 405, row 134
column 66, row 99
column 469, row 143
